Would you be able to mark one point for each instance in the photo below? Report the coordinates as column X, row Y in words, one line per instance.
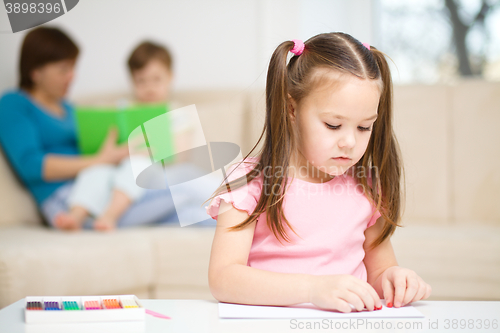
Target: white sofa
column 451, row 227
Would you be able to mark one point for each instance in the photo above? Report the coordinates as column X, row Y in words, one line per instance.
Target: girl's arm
column 378, row 259
column 399, row 286
column 231, row 280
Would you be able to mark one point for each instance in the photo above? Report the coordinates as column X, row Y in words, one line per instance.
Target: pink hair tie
column 298, row 47
column 367, row 45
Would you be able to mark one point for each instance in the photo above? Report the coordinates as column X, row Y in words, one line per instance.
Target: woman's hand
column 336, row 291
column 110, row 152
column 402, row 286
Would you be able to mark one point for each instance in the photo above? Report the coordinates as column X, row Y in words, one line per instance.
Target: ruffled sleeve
column 374, row 218
column 243, row 198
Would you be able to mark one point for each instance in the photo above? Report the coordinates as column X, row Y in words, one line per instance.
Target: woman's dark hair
column 337, row 53
column 41, row 46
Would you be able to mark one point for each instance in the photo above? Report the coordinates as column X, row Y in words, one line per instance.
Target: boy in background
column 150, row 67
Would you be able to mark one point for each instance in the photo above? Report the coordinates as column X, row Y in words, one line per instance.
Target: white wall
column 216, row 44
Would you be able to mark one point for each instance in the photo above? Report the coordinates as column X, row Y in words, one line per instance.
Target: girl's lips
column 341, row 159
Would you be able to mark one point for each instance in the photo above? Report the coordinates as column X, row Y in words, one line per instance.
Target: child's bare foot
column 105, row 223
column 71, row 220
column 65, row 221
column 109, row 219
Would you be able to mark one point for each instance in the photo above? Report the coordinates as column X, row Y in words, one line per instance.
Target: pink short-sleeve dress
column 329, row 220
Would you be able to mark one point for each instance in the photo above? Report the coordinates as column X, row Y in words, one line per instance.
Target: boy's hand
column 110, row 152
column 137, row 146
column 402, row 286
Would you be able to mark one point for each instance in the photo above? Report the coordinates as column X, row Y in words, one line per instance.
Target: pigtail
column 280, row 138
column 277, row 118
column 386, row 156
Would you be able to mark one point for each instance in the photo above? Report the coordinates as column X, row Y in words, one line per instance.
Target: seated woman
column 38, row 136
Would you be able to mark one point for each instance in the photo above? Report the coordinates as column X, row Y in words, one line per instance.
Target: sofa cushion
column 459, row 261
column 474, row 155
column 17, row 206
column 222, row 119
column 183, row 258
column 42, row 261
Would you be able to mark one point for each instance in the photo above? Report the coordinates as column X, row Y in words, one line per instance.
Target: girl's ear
column 292, row 106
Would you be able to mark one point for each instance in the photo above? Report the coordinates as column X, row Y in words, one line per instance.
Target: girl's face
column 332, row 122
column 54, row 78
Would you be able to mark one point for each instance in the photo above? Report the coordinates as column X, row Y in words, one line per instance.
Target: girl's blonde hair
column 381, row 162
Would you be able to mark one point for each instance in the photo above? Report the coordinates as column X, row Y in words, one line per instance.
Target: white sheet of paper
column 308, row 310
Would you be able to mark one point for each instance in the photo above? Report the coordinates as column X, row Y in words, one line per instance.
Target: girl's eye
column 332, row 127
column 338, row 126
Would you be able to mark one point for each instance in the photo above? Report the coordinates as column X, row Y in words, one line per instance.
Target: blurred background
column 430, row 41
column 445, row 62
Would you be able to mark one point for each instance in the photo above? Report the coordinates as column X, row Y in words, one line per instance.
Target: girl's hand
column 336, row 291
column 402, row 286
column 110, row 152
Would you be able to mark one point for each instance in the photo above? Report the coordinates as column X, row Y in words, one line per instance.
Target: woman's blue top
column 28, row 132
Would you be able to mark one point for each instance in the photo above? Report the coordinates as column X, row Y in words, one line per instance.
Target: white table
column 200, row 316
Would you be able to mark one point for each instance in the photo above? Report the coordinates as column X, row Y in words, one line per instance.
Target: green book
column 93, row 124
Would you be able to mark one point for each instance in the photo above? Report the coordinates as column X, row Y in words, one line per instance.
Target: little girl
column 302, row 222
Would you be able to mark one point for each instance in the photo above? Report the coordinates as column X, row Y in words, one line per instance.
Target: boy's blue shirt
column 28, row 133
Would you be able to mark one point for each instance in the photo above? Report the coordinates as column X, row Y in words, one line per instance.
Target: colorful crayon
column 70, row 305
column 52, row 306
column 34, row 306
column 92, row 305
column 129, row 304
column 111, row 304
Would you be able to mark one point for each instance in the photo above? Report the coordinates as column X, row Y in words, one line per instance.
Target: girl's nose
column 348, row 140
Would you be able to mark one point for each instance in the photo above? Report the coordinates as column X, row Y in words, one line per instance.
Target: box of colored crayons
column 72, row 309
